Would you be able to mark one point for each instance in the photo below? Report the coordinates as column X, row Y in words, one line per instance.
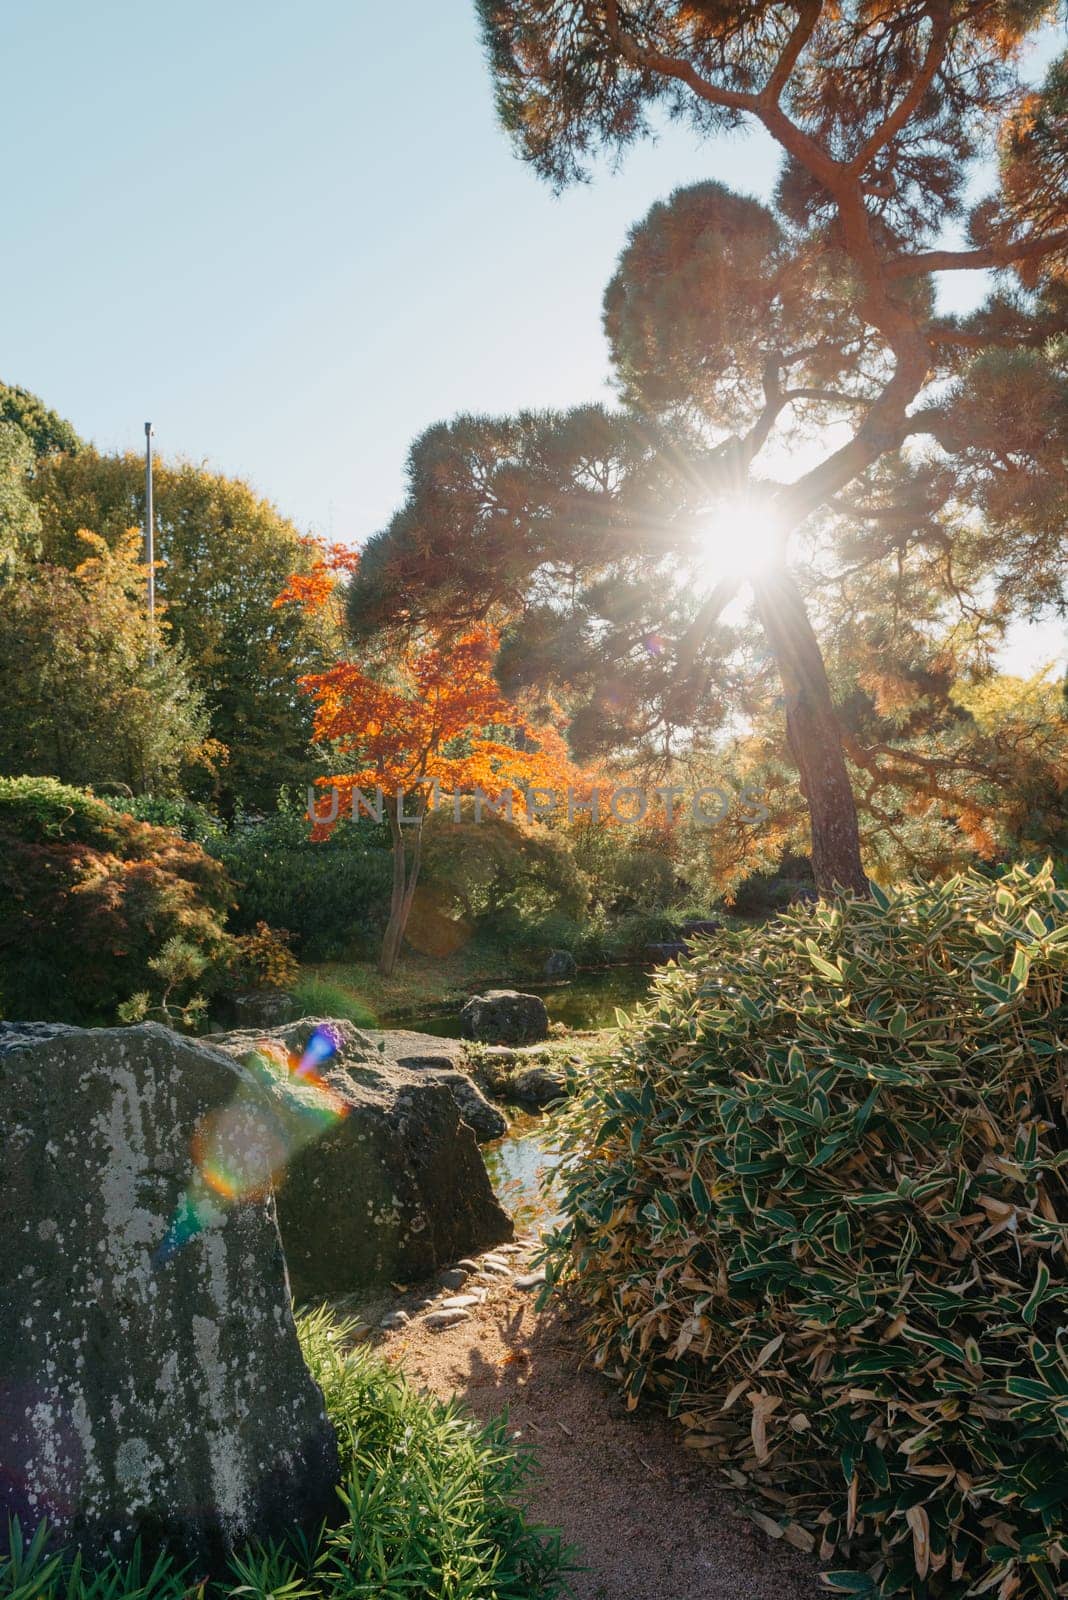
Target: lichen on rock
column 143, row 1392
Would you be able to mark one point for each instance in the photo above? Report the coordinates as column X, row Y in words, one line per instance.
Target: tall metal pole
column 150, row 547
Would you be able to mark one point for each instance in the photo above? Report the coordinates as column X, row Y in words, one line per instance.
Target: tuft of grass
column 318, row 997
column 427, row 1511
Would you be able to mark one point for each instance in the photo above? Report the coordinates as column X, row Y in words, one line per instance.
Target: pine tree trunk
column 814, row 735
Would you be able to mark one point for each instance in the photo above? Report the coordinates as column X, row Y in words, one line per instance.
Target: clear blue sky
column 293, row 236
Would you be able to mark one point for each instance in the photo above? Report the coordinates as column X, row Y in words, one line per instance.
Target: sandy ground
column 647, row 1517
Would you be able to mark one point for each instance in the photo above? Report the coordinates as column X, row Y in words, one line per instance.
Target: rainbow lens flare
column 242, row 1148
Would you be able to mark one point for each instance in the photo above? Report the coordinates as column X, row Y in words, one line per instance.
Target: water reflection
column 522, row 1168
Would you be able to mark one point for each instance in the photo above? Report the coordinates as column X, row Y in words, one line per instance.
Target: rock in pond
column 504, row 1016
column 560, row 964
column 661, row 954
column 530, row 1075
column 395, row 1188
column 539, row 1085
column 151, row 1382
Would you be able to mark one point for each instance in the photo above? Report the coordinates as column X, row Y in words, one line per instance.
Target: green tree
column 224, row 556
column 20, row 521
column 48, row 432
column 736, row 327
column 81, row 702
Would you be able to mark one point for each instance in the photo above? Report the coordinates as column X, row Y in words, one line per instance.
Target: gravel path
column 646, row 1515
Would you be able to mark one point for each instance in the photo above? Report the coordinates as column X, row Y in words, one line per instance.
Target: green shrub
column 762, row 894
column 187, row 817
column 630, row 937
column 503, row 879
column 90, row 898
column 819, row 1206
column 428, row 1500
column 332, row 896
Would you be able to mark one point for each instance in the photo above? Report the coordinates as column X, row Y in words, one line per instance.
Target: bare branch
column 899, row 117
column 672, row 66
column 1033, row 248
column 884, row 428
column 802, row 32
column 833, row 396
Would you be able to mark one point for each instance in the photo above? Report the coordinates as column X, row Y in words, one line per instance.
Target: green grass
column 318, row 997
column 421, row 984
column 428, row 1511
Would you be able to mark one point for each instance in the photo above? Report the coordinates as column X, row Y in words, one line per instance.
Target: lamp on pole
column 150, row 547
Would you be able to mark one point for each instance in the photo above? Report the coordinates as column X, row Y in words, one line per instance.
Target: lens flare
column 241, row 1149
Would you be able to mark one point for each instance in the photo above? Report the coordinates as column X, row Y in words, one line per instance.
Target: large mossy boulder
column 396, row 1187
column 151, row 1383
column 504, row 1016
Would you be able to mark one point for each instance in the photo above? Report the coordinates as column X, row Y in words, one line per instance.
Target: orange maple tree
column 421, row 731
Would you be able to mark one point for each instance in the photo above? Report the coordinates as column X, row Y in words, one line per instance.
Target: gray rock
column 395, row 1319
column 538, row 1086
column 257, row 1008
column 497, row 1269
column 461, row 1302
column 419, row 1052
column 455, row 1278
column 445, row 1319
column 661, row 954
column 504, row 1016
column 530, row 1280
column 395, row 1189
column 151, row 1382
column 444, row 1061
column 485, row 1120
column 560, row 964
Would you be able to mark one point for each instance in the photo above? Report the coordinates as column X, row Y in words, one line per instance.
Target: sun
column 741, row 536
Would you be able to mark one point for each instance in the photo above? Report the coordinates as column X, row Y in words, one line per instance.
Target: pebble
column 359, row 1333
column 530, row 1280
column 455, row 1278
column 492, row 1259
column 468, row 1264
column 445, row 1319
column 497, row 1269
column 459, row 1302
column 395, row 1319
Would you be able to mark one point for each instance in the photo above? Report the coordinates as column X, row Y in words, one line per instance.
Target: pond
column 587, row 1001
column 521, row 1168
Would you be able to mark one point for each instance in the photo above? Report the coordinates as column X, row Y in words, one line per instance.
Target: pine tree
column 733, row 325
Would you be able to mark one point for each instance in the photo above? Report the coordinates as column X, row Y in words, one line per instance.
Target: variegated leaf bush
column 817, row 1203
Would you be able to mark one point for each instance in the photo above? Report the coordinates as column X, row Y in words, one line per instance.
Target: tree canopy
column 743, row 335
column 47, row 432
column 412, row 728
column 82, row 702
column 224, row 554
